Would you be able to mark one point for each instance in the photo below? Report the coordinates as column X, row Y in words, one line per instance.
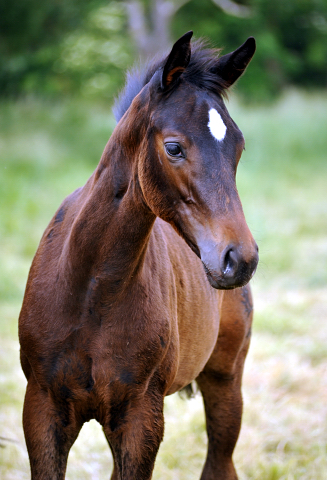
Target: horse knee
column 48, row 440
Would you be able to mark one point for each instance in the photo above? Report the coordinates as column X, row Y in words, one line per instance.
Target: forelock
column 201, row 72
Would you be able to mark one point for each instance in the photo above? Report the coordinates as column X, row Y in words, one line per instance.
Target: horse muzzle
column 233, row 267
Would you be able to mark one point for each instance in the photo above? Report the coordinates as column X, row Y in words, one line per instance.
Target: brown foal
column 139, row 284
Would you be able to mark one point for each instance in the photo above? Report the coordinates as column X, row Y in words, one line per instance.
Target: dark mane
column 201, row 72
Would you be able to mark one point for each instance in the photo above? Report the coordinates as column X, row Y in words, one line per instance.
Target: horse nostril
column 230, row 262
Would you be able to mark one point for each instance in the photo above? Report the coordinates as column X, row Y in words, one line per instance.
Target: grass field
column 48, row 149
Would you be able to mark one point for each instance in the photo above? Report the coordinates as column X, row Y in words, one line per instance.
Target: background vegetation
column 83, row 47
column 61, row 65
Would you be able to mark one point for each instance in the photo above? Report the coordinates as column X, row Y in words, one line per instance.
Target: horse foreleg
column 134, row 431
column 220, row 384
column 49, row 434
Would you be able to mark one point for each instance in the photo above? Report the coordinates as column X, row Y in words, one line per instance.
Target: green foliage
column 83, row 47
column 291, row 41
column 53, row 47
column 94, row 58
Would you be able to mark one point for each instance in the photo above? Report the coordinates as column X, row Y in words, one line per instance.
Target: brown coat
column 120, row 308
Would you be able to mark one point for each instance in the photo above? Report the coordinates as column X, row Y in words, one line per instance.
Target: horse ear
column 231, row 66
column 177, row 60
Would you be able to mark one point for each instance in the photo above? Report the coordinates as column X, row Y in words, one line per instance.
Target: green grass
column 48, row 149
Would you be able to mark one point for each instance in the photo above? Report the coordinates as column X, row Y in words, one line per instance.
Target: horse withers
column 139, row 284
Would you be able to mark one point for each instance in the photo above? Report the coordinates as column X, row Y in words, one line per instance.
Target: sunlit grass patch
column 284, row 424
column 182, row 452
column 90, row 458
column 13, row 455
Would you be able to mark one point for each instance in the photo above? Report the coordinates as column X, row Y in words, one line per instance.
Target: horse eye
column 174, row 150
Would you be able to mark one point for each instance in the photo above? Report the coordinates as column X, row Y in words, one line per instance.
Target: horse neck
column 110, row 234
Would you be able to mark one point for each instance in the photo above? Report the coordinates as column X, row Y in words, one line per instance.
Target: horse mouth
column 228, row 276
column 240, row 279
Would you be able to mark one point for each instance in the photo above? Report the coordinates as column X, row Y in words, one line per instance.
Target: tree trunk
column 150, row 28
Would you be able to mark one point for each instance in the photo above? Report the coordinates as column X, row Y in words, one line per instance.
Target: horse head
column 188, row 155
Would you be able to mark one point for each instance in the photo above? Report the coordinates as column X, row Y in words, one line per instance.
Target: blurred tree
column 149, row 22
column 291, row 41
column 84, row 46
column 291, row 36
column 30, row 36
column 93, row 59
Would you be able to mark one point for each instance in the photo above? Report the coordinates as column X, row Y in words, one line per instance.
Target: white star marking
column 216, row 125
